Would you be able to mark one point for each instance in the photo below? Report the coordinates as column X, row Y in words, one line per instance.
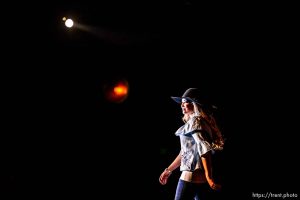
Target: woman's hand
column 164, row 177
column 214, row 185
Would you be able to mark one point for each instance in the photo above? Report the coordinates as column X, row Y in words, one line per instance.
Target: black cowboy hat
column 194, row 95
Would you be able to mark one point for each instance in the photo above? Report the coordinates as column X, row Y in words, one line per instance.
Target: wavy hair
column 206, row 113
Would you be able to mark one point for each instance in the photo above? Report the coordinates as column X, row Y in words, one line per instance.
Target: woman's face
column 187, row 107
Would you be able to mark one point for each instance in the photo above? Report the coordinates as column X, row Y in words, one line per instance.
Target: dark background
column 62, row 138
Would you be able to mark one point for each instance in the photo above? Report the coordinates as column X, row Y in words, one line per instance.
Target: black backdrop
column 61, row 137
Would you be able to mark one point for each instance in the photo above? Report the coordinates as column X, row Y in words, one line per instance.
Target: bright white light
column 69, row 23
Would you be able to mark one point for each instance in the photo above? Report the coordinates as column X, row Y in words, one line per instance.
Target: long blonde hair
column 206, row 114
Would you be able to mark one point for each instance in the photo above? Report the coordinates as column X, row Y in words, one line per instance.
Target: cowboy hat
column 193, row 95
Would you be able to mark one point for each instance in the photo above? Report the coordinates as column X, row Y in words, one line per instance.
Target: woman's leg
column 185, row 190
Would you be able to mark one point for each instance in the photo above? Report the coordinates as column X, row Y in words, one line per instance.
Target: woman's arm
column 204, row 150
column 207, row 165
column 175, row 164
column 168, row 171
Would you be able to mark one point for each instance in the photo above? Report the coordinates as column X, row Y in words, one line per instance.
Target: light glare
column 69, row 23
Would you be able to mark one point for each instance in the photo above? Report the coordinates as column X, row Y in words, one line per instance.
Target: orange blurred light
column 117, row 92
column 120, row 90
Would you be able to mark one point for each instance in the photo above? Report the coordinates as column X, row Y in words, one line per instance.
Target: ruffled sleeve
column 196, row 128
column 203, row 146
